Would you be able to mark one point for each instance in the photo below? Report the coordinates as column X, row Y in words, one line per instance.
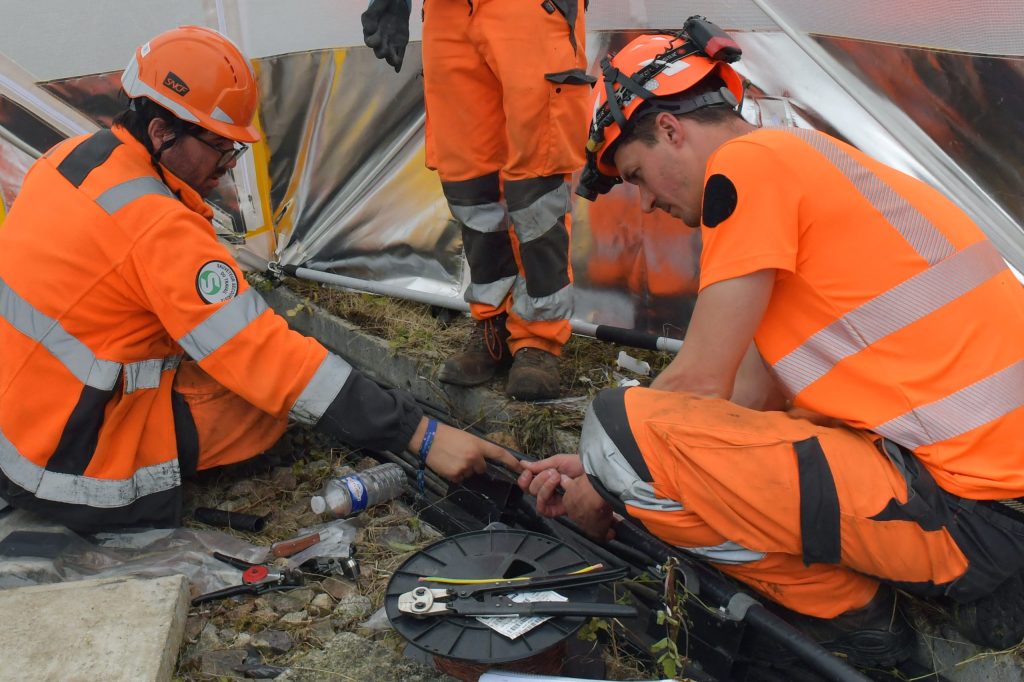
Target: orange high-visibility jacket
column 890, row 311
column 108, row 276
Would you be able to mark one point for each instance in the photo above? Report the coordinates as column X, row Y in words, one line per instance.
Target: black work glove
column 386, row 29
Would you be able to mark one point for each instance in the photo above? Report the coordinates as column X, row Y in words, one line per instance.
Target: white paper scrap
column 514, row 626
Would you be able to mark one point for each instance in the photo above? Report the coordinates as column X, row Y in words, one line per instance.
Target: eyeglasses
column 226, row 155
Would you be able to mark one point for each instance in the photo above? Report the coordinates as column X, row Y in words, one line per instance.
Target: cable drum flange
column 477, row 555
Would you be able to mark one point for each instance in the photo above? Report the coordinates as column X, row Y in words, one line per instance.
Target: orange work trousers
column 507, row 100
column 230, row 429
column 810, row 516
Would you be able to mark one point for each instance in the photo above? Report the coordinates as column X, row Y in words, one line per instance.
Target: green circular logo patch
column 216, row 282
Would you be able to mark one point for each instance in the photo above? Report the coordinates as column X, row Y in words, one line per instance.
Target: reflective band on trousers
column 888, row 313
column 981, row 402
column 488, row 219
column 223, row 325
column 726, row 553
column 321, row 390
column 926, row 240
column 76, row 357
column 93, row 492
column 602, row 458
column 533, row 220
column 557, row 306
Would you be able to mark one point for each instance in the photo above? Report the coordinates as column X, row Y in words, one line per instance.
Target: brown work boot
column 485, row 353
column 534, row 375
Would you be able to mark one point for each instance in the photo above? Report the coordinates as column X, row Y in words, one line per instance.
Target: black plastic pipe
column 230, row 519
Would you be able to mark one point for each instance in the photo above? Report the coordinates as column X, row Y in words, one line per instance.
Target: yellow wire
column 484, row 581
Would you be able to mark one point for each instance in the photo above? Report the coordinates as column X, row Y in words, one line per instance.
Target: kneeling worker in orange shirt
column 859, row 298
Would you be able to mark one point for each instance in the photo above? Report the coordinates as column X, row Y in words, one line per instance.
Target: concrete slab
column 109, row 629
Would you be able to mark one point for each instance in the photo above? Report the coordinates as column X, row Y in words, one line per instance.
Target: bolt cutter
column 492, row 598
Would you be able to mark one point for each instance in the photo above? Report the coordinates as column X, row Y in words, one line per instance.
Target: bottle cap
column 318, row 504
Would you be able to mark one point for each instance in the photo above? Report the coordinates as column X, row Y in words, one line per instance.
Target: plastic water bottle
column 350, row 495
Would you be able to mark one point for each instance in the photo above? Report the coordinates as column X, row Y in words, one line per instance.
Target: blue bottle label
column 358, row 492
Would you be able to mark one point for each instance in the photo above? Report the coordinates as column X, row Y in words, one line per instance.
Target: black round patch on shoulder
column 719, row 200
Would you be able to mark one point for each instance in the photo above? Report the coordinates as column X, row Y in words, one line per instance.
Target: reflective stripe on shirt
column 928, row 241
column 993, row 397
column 888, row 313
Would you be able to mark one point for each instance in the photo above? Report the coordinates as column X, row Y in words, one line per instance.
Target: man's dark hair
column 136, row 117
column 641, row 124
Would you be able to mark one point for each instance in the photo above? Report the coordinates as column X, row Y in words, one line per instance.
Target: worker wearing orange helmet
column 858, row 298
column 132, row 350
column 506, row 94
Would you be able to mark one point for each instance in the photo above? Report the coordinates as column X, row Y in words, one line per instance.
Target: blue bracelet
column 428, row 439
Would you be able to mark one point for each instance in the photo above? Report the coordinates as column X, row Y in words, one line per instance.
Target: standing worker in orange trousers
column 859, row 299
column 132, row 350
column 506, row 95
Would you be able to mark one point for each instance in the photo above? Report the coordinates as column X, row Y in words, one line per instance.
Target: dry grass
column 414, row 330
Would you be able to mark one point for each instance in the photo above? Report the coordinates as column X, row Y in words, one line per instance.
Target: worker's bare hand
column 386, row 30
column 457, row 455
column 542, row 480
column 588, row 509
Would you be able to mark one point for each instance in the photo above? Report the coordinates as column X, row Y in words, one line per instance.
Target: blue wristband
column 428, row 440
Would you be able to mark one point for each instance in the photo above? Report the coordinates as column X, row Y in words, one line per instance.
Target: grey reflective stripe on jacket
column 94, row 492
column 603, row 460
column 48, row 332
column 147, row 373
column 76, row 357
column 119, row 196
column 223, row 325
column 321, row 390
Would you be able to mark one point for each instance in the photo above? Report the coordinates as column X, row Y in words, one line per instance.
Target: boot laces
column 490, row 337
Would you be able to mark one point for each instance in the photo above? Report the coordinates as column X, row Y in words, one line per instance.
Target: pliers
column 256, row 579
column 491, row 599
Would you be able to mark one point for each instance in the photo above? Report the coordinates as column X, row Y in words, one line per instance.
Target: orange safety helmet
column 649, row 67
column 199, row 76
